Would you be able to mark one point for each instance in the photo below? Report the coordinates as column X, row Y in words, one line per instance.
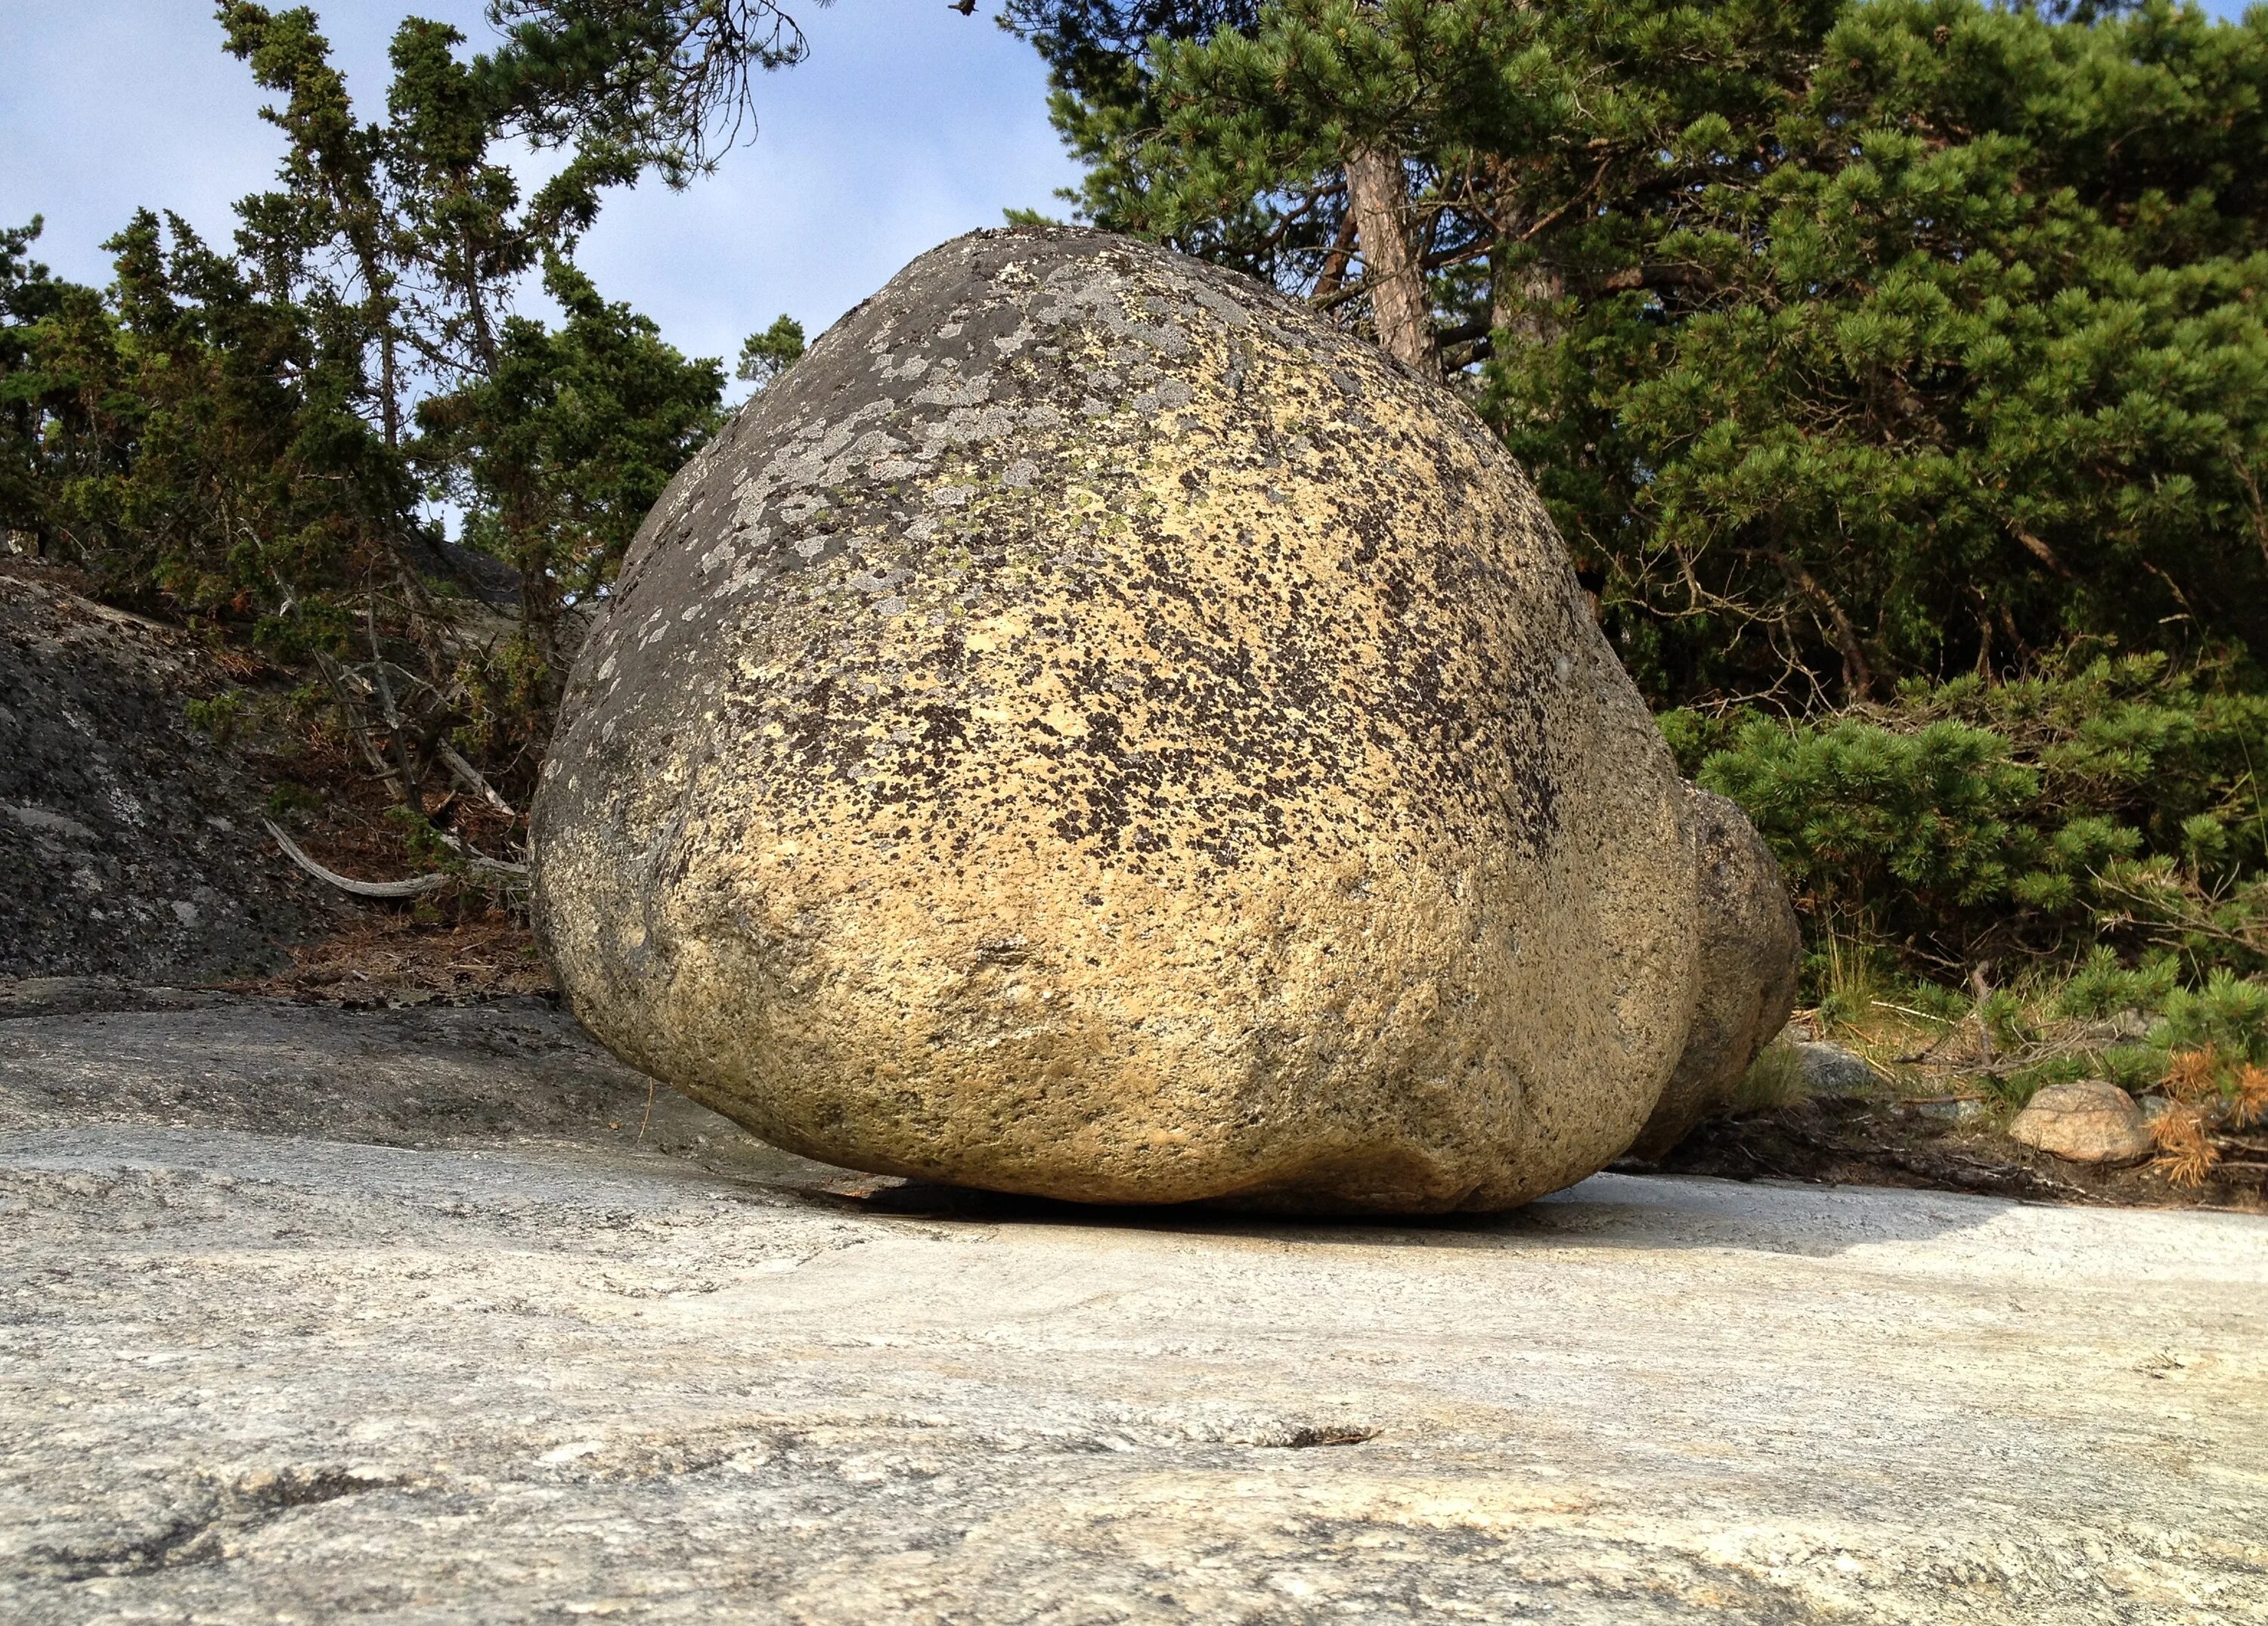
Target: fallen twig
column 414, row 886
column 470, row 777
column 481, row 863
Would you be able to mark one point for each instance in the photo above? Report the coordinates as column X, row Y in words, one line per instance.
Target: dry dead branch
column 415, row 885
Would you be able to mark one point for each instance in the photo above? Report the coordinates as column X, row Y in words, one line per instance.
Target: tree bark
column 1335, row 263
column 1520, row 297
column 1379, row 200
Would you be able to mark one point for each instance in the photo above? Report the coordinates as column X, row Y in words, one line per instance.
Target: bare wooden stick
column 470, row 777
column 336, row 676
column 409, row 888
column 479, row 863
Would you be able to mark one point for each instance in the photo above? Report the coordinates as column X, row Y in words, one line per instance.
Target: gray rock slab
column 129, row 840
column 1831, row 1069
column 315, row 1316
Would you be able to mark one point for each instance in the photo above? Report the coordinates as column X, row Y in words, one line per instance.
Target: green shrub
column 220, row 716
column 2227, row 1018
column 2113, row 800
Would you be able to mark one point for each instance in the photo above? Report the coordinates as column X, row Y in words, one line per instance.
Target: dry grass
column 1775, row 1080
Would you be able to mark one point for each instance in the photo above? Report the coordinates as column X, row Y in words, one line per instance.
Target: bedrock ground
column 322, row 1315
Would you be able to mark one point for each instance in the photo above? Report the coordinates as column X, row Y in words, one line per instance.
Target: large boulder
column 1093, row 729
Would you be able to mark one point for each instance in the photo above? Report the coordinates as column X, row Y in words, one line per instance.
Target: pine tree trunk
column 1519, row 296
column 1379, row 200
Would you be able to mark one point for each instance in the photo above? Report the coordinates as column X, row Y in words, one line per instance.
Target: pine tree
column 1847, row 343
column 255, row 438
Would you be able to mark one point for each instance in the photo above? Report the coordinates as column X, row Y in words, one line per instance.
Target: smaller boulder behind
column 1830, row 1071
column 1748, row 953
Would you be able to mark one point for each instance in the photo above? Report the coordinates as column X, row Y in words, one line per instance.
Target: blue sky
column 909, row 124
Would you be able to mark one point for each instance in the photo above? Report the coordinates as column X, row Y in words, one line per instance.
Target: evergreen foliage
column 2118, row 800
column 187, row 434
column 1848, row 343
column 765, row 356
column 256, row 437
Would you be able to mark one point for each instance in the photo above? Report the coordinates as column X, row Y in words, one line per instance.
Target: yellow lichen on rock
column 1091, row 729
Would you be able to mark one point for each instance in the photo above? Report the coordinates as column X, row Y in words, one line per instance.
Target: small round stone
column 2092, row 1121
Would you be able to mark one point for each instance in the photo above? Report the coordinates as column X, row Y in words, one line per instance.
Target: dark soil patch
column 1857, row 1141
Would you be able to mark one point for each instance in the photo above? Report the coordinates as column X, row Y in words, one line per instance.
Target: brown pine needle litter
column 2251, row 1096
column 2185, row 1157
column 2193, row 1075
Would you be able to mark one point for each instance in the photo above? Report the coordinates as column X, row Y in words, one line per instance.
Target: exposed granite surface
column 130, row 842
column 512, row 1365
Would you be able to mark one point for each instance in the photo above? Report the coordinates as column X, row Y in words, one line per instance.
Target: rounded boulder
column 1747, row 960
column 1093, row 729
column 2089, row 1121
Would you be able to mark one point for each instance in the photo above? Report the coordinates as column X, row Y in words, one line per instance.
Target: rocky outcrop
column 130, row 842
column 1094, row 730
